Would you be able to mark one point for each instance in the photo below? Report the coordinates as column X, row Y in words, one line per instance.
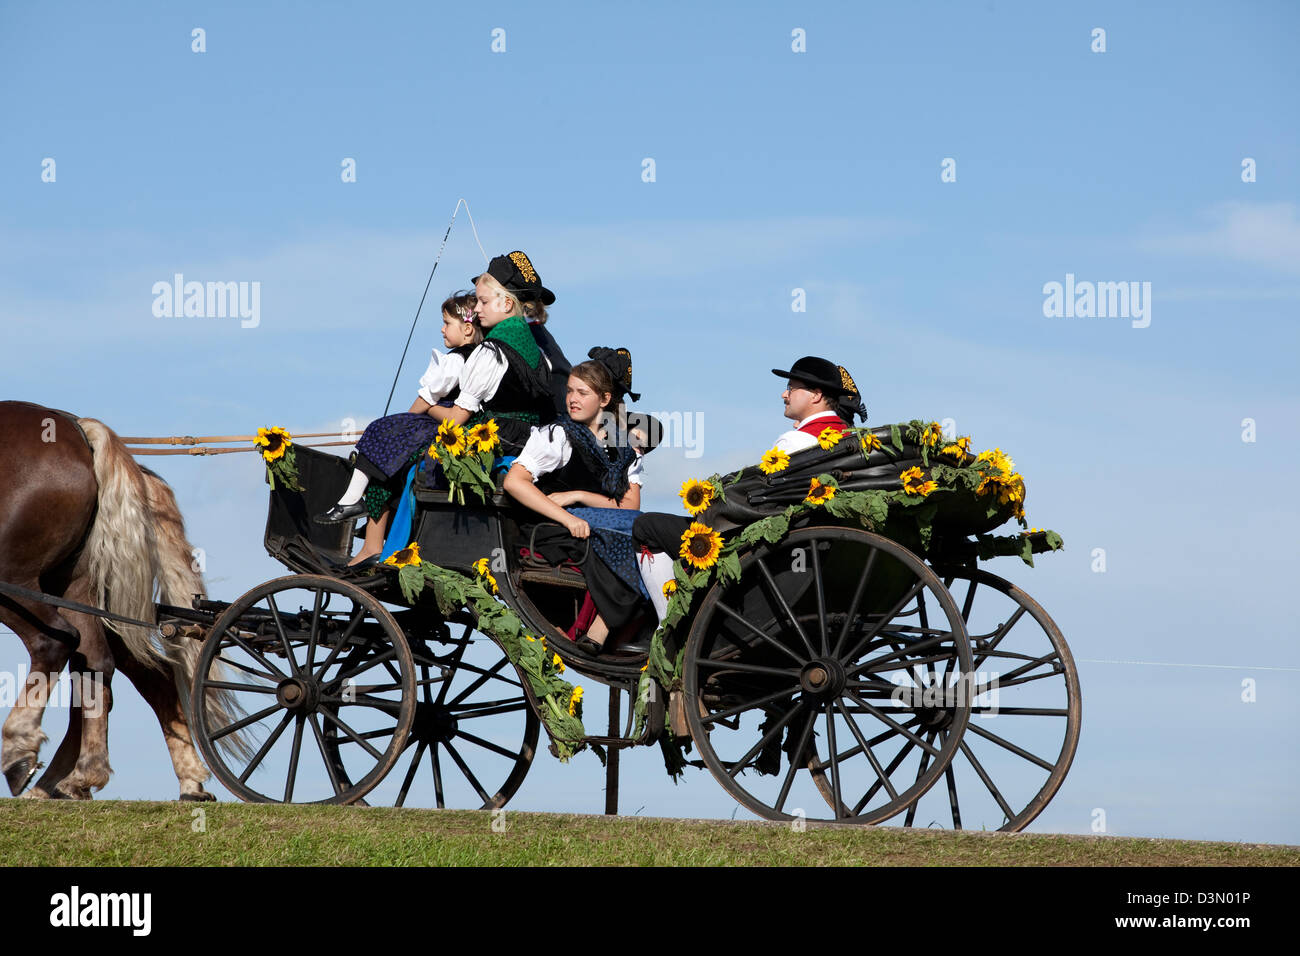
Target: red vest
column 819, row 425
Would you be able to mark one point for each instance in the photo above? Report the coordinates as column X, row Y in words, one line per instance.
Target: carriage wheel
column 474, row 727
column 1025, row 722
column 304, row 659
column 824, row 670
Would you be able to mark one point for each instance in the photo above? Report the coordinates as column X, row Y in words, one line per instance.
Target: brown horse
column 81, row 520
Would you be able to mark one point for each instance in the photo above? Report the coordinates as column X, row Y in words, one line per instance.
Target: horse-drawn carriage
column 834, row 673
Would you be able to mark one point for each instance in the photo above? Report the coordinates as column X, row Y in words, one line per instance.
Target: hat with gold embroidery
column 516, row 274
column 832, row 379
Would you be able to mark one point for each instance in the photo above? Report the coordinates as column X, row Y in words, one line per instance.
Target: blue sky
column 775, row 171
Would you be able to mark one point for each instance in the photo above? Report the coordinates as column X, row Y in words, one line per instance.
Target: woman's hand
column 566, row 498
column 577, row 527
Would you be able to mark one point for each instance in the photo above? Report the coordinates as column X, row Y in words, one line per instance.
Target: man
column 819, row 394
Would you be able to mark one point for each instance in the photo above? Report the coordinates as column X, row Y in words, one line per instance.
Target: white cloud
column 1265, row 234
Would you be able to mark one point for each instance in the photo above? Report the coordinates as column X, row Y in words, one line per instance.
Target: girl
column 568, row 474
column 390, row 444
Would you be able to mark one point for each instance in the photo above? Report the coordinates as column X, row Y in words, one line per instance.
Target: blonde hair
column 532, row 309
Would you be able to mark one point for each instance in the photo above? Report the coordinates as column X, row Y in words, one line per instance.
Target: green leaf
column 896, row 438
column 728, row 568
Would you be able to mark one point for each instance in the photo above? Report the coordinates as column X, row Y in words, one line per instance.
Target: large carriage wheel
column 1024, row 724
column 822, row 674
column 475, row 733
column 304, row 659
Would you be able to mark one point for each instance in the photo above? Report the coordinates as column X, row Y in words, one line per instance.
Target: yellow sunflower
column 557, row 663
column 575, row 702
column 999, row 461
column 274, row 442
column 774, row 460
column 830, row 437
column 433, row 452
column 410, row 555
column 452, row 437
column 670, row 588
column 914, row 482
column 482, row 567
column 870, row 443
column 701, row 545
column 696, row 496
column 959, row 449
column 819, row 494
column 931, row 435
column 483, row 437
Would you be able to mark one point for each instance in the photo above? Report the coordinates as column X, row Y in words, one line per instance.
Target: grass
column 138, row 833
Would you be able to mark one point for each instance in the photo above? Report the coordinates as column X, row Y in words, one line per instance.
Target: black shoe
column 588, row 646
column 640, row 646
column 341, row 513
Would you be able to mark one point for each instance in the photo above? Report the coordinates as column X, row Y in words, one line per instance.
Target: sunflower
column 274, row 441
column 481, row 566
column 819, row 494
column 914, row 482
column 557, row 663
column 701, row 545
column 433, row 452
column 774, row 460
column 959, row 449
column 1009, row 488
column 931, row 435
column 484, row 436
column 870, row 442
column 999, row 461
column 452, row 437
column 830, row 437
column 408, row 556
column 670, row 588
column 575, row 703
column 696, row 496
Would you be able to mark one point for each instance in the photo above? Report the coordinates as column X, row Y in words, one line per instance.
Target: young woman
column 389, row 445
column 507, row 378
column 568, row 474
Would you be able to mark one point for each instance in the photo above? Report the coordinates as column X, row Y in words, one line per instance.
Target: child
column 389, row 445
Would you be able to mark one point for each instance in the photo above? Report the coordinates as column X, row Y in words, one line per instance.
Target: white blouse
column 484, row 370
column 548, row 449
column 442, row 375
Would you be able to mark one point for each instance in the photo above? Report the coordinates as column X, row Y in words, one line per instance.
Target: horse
column 81, row 520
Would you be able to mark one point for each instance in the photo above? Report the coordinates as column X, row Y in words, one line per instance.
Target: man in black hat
column 819, row 394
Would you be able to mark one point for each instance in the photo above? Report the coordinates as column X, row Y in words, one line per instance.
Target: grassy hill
column 132, row 833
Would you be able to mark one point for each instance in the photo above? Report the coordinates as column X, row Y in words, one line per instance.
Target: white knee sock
column 656, row 570
column 356, row 489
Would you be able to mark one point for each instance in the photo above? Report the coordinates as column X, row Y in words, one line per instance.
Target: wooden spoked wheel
column 1025, row 712
column 818, row 679
column 303, row 661
column 475, row 732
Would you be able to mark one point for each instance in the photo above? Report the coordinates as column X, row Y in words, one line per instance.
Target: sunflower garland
column 277, row 451
column 991, row 474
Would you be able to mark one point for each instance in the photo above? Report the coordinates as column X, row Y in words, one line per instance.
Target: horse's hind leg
column 158, row 688
column 50, row 640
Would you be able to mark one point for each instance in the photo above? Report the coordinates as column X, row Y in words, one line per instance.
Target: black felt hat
column 619, row 363
column 516, row 274
column 827, row 376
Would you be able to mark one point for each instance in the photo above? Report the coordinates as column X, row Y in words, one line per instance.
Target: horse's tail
column 120, row 553
column 179, row 581
column 137, row 539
